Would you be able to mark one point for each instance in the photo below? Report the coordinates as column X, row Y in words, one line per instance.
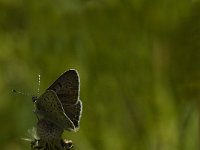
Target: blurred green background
column 139, row 64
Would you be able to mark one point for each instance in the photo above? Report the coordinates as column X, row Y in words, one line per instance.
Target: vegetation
column 139, row 64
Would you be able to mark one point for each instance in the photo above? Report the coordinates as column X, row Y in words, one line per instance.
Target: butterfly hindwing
column 48, row 130
column 49, row 107
column 74, row 112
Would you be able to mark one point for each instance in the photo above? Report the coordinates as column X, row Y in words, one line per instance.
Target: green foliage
column 138, row 62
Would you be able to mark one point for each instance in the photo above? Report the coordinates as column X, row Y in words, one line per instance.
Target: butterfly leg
column 67, row 144
column 37, row 144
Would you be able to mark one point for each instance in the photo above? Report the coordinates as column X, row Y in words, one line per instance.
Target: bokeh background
column 139, row 64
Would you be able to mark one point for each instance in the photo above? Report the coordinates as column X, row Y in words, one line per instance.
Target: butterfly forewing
column 67, row 89
column 49, row 107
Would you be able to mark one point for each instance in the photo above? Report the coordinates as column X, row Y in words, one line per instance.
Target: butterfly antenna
column 38, row 90
column 21, row 93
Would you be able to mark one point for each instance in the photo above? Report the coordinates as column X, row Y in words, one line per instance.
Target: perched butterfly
column 58, row 109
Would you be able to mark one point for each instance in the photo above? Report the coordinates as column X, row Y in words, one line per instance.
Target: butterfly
column 59, row 107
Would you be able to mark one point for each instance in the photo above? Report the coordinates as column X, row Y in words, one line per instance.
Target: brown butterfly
column 58, row 109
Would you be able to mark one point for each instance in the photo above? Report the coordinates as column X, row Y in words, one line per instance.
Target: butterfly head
column 34, row 99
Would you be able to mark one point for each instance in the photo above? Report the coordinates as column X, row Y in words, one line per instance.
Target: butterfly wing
column 74, row 112
column 49, row 107
column 67, row 89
